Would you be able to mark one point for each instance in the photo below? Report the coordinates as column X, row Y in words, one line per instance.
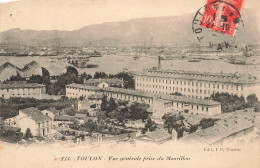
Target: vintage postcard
column 129, row 83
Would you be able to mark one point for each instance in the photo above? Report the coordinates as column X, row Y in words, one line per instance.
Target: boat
column 239, row 62
column 95, row 54
column 21, row 54
column 194, row 60
column 167, row 58
column 236, row 61
column 91, row 66
column 135, row 57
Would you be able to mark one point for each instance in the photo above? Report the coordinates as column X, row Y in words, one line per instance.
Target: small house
column 35, row 120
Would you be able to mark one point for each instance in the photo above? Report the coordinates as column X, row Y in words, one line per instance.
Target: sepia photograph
column 133, row 83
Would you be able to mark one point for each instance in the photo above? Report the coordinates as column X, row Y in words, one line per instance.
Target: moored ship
column 91, row 66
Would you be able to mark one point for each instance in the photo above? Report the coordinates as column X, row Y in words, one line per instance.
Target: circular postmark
column 217, row 16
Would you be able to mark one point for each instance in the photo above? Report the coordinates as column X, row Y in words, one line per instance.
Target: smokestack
column 159, row 62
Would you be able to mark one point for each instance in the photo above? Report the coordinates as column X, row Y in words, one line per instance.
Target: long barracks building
column 196, row 84
column 158, row 101
column 24, row 90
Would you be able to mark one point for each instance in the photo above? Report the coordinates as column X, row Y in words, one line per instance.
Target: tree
column 63, row 138
column 257, row 107
column 123, row 114
column 175, row 122
column 229, row 103
column 252, row 100
column 150, row 125
column 114, row 114
column 62, row 81
column 207, row 122
column 144, row 115
column 176, row 93
column 192, row 128
column 17, row 77
column 82, row 98
column 139, row 111
column 112, row 105
column 36, row 79
column 111, row 76
column 70, row 112
column 83, row 77
column 28, row 134
column 100, row 127
column 101, row 75
column 104, row 103
column 128, row 79
column 90, row 126
column 75, row 124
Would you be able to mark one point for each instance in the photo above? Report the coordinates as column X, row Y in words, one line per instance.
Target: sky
column 74, row 14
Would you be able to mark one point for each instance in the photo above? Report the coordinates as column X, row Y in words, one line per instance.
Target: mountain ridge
column 157, row 30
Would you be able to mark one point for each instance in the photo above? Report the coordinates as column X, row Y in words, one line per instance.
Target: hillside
column 160, row 30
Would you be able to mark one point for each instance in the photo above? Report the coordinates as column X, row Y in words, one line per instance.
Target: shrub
column 28, row 134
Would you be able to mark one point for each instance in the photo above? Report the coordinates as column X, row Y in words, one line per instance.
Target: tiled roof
column 8, row 64
column 193, row 139
column 95, row 96
column 79, row 115
column 193, row 75
column 80, row 86
column 222, row 129
column 85, row 103
column 194, row 119
column 136, row 122
column 129, row 92
column 53, row 110
column 90, row 118
column 63, row 118
column 108, row 81
column 35, row 114
column 163, row 101
column 188, row 99
column 20, row 85
column 157, row 136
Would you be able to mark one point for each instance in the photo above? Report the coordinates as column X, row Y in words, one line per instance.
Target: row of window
column 19, row 89
column 180, row 89
column 193, row 107
column 86, row 90
column 188, row 94
column 188, row 83
column 23, row 94
column 129, row 97
column 19, row 95
column 43, row 124
column 166, row 87
column 44, row 133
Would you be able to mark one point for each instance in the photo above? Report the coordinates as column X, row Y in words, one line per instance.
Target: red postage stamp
column 222, row 16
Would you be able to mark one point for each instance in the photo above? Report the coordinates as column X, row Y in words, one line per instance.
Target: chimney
column 159, row 62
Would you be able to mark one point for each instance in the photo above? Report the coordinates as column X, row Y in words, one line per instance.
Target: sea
column 112, row 64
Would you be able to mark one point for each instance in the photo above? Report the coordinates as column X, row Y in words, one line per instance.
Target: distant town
column 64, row 96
